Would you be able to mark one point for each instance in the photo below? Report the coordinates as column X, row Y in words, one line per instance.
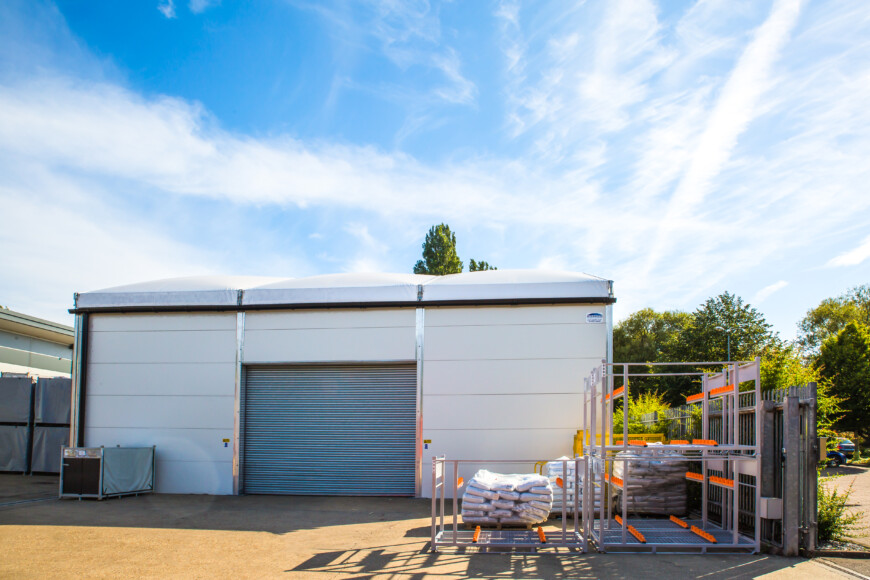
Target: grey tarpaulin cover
column 128, row 469
column 47, row 442
column 13, row 448
column 51, row 401
column 15, row 399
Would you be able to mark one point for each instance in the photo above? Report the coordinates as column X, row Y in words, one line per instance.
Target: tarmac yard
column 196, row 536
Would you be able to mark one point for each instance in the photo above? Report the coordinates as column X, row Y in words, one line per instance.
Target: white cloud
column 199, row 6
column 167, row 8
column 854, row 256
column 765, row 292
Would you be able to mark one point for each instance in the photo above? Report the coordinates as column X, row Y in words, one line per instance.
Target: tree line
column 832, row 349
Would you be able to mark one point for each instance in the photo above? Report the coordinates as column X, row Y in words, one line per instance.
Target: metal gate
column 329, row 430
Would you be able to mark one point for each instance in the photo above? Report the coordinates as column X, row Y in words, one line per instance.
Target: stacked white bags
column 554, row 472
column 495, row 498
column 654, row 486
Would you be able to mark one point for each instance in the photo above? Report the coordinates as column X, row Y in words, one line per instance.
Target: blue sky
column 680, row 149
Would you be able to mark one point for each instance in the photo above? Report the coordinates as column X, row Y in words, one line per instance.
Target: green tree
column 474, row 266
column 831, row 316
column 649, row 336
column 439, row 253
column 782, row 366
column 707, row 337
column 844, row 359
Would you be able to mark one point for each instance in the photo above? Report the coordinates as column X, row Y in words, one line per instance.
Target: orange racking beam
column 695, row 476
column 703, row 534
column 615, row 393
column 679, row 522
column 721, row 390
column 708, row 442
column 722, row 481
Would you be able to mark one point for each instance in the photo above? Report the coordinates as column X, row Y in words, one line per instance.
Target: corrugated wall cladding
column 330, row 430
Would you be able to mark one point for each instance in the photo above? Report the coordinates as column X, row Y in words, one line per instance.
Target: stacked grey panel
column 330, row 430
column 51, row 413
column 34, row 423
column 15, row 422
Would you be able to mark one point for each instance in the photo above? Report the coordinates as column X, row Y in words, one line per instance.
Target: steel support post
column 791, row 481
column 735, row 494
column 811, row 460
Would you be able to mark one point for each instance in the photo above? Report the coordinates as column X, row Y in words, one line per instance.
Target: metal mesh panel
column 330, row 430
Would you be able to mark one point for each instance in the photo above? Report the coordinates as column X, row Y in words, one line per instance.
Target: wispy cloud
column 167, row 8
column 408, row 34
column 735, row 108
column 854, row 256
column 765, row 292
column 199, row 6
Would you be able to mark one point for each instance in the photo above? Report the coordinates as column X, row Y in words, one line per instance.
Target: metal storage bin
column 100, row 472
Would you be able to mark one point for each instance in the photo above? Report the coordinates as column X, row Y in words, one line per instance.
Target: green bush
column 835, row 523
column 652, row 402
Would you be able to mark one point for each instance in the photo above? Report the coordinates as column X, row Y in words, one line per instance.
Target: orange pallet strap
column 560, row 482
column 459, row 482
column 679, row 522
column 703, row 534
column 476, row 535
column 541, row 535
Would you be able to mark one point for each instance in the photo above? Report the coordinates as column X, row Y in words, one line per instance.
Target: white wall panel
column 506, row 382
column 210, row 379
column 331, row 318
column 211, row 477
column 163, row 321
column 507, row 376
column 496, row 315
column 159, row 412
column 522, row 341
column 529, row 411
column 207, row 346
column 172, row 444
column 333, row 344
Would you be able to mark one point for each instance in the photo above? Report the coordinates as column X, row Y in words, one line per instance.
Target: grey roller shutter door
column 330, row 430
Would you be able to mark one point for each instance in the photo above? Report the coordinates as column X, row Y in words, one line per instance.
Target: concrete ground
column 173, row 536
column 858, row 477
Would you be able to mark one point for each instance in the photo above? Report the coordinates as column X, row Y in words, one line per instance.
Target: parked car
column 846, row 447
column 836, row 459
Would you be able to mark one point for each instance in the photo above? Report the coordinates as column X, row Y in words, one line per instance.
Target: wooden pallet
column 499, row 526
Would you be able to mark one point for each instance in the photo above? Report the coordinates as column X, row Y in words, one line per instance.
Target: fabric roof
column 338, row 289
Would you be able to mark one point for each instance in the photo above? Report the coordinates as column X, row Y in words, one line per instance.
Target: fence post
column 791, row 482
column 812, row 458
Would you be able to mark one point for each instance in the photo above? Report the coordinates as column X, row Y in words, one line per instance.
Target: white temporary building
column 337, row 384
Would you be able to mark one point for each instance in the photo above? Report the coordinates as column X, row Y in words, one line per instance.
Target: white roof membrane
column 338, row 289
